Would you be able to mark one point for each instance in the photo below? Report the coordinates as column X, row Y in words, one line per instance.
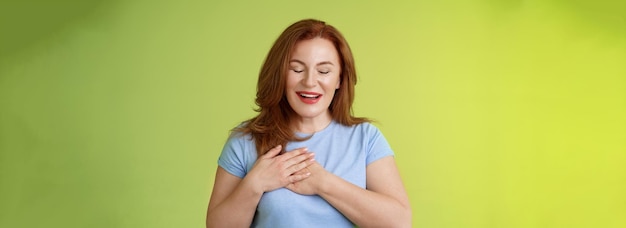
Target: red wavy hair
column 271, row 127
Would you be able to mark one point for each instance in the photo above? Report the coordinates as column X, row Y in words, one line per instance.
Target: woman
column 304, row 160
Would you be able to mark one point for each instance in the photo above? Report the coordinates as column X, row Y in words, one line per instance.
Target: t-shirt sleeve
column 232, row 157
column 377, row 147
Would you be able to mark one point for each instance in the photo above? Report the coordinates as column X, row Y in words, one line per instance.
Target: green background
column 501, row 113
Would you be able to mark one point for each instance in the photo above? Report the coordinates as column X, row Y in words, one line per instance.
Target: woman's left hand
column 313, row 184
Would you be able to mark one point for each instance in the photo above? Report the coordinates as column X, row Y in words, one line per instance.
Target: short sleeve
column 377, row 146
column 232, row 158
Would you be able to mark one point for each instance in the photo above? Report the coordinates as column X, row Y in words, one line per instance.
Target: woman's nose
column 309, row 79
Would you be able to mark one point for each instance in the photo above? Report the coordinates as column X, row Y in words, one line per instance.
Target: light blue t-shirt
column 342, row 150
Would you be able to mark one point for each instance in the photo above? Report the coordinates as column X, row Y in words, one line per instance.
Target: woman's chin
column 313, row 114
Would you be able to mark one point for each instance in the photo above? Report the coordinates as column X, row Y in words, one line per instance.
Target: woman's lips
column 309, row 97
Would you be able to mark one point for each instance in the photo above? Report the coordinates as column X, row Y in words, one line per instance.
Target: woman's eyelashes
column 318, row 71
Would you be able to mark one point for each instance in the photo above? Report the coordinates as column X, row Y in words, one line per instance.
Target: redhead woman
column 305, row 160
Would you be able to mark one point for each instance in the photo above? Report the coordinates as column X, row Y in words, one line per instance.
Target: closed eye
column 297, row 71
column 324, row 72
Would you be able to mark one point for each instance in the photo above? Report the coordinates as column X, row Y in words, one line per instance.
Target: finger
column 298, row 177
column 299, row 159
column 273, row 152
column 302, row 165
column 293, row 153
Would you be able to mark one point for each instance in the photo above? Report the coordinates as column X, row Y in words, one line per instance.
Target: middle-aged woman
column 305, row 160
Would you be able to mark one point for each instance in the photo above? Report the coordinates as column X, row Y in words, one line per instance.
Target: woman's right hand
column 273, row 170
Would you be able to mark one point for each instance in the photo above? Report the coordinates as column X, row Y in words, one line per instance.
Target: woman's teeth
column 309, row 95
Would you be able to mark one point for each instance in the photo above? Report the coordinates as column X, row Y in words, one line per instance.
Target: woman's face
column 313, row 77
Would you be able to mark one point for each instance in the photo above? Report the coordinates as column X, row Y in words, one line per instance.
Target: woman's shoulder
column 239, row 134
column 238, row 143
column 366, row 125
column 366, row 128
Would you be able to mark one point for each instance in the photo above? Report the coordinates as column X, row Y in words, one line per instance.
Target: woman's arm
column 234, row 200
column 384, row 202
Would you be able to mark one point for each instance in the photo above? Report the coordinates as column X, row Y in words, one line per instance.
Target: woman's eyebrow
column 297, row 61
column 324, row 63
column 318, row 64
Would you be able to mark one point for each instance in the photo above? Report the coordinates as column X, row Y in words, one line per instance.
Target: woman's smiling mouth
column 309, row 97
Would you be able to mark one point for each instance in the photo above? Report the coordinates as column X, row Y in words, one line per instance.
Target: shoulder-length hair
column 272, row 126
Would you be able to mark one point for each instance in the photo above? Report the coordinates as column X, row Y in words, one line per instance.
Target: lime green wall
column 501, row 113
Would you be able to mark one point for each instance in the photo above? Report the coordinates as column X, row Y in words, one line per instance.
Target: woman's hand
column 272, row 171
column 313, row 184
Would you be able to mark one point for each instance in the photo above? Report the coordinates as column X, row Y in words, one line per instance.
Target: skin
column 314, row 68
column 234, row 200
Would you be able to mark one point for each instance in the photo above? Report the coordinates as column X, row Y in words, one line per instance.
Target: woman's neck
column 311, row 125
